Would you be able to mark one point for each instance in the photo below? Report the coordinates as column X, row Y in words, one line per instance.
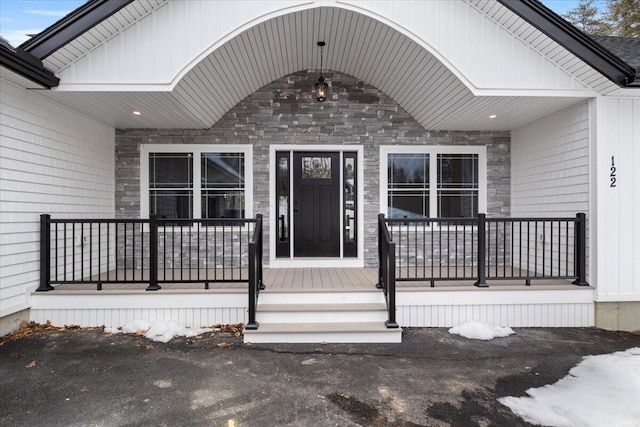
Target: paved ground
column 88, row 378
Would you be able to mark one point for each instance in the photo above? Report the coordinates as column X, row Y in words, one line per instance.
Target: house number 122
column 613, row 172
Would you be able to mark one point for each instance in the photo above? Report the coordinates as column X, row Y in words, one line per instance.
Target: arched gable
column 158, row 50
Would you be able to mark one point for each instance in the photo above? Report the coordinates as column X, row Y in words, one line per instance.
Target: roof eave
column 27, row 66
column 609, row 65
column 71, row 26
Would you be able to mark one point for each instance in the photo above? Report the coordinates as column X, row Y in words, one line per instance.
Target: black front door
column 316, row 204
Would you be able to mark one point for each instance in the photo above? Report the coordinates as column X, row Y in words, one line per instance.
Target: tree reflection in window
column 316, row 167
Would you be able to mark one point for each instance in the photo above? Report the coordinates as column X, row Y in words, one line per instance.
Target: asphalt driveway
column 89, row 378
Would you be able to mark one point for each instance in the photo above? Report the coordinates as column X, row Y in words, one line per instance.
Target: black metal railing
column 477, row 249
column 387, row 270
column 151, row 251
column 445, row 249
column 255, row 272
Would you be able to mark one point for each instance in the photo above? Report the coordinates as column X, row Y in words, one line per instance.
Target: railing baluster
column 73, row 252
column 56, row 250
column 464, row 250
column 415, row 228
column 108, row 253
column 543, row 242
column 511, row 253
column 504, row 249
column 215, row 251
column 566, row 250
column 81, row 250
column 456, row 248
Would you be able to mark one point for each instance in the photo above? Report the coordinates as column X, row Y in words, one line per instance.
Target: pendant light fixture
column 321, row 88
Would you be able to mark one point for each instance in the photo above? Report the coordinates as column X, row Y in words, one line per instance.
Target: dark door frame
column 351, row 257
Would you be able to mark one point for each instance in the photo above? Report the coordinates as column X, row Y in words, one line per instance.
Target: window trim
column 196, row 150
column 433, row 151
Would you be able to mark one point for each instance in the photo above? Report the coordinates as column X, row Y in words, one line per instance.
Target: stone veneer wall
column 285, row 112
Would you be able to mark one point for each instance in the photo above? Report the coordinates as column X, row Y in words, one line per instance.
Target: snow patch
column 601, row 390
column 481, row 331
column 158, row 330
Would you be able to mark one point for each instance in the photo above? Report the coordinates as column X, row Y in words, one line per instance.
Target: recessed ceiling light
column 493, row 116
column 137, row 113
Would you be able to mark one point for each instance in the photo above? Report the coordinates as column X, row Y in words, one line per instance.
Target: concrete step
column 355, row 332
column 321, row 313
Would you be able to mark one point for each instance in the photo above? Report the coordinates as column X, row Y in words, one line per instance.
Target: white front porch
column 321, row 305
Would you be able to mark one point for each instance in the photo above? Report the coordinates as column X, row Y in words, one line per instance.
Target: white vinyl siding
column 617, row 261
column 550, row 173
column 550, row 165
column 562, row 307
column 52, row 161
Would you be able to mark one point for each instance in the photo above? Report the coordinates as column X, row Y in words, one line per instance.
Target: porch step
column 321, row 313
column 356, row 332
column 328, row 316
column 315, row 296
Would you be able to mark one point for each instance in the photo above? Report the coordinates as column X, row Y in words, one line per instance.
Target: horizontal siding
column 54, row 161
column 618, row 210
column 512, row 315
column 114, row 318
column 550, row 168
column 550, row 165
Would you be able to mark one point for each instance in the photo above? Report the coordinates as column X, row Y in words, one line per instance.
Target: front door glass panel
column 316, row 167
column 283, row 196
column 350, row 221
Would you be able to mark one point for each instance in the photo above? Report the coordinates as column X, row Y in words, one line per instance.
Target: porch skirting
column 114, row 308
column 540, row 305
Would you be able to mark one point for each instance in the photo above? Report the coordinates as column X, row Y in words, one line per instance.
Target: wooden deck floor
column 283, row 279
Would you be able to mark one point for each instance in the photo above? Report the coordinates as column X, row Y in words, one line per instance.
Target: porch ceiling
column 356, row 45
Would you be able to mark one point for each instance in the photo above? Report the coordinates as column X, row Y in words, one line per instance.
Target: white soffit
column 356, row 45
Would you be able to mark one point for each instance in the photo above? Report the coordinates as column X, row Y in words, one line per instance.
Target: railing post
column 253, row 287
column 45, row 254
column 260, row 249
column 580, row 250
column 153, row 253
column 380, row 284
column 391, row 287
column 482, row 253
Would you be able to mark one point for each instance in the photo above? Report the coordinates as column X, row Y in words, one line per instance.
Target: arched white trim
column 314, row 5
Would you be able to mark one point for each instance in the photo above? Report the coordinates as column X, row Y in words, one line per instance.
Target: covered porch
column 99, row 272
